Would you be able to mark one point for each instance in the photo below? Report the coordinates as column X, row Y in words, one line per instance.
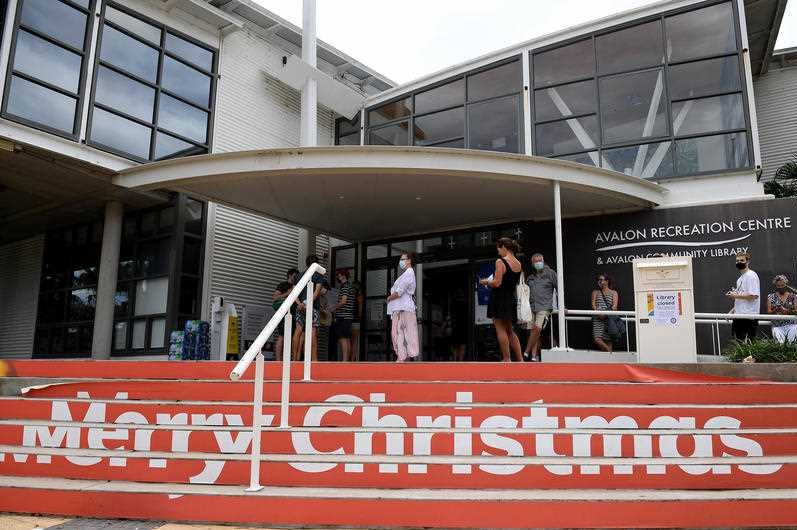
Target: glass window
column 630, row 49
column 197, row 55
column 186, row 81
column 566, row 100
column 119, row 133
column 121, row 300
column 51, row 307
column 189, row 296
column 81, row 304
column 84, row 277
column 633, row 106
column 441, row 97
column 157, row 333
column 395, row 134
column 700, row 33
column 349, row 139
column 55, row 19
column 48, row 62
column 183, row 119
column 120, row 336
column 646, row 161
column 703, row 78
column 129, row 54
column 166, row 220
column 567, row 63
column 494, row 125
column 376, row 251
column 376, row 282
column 457, row 144
column 711, row 153
column 589, row 159
column 566, row 136
column 151, row 296
column 707, row 115
column 349, row 126
column 440, row 126
column 133, row 25
column 123, row 94
column 149, row 223
column 167, row 146
column 139, row 334
column 498, row 81
column 390, row 111
column 36, row 103
column 153, row 257
column 192, row 255
column 193, row 216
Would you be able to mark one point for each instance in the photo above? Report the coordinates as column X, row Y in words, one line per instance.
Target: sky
column 407, row 39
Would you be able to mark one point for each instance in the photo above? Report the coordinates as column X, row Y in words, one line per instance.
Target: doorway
column 447, row 312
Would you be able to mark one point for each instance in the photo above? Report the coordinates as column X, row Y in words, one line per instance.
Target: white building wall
column 20, row 273
column 776, row 101
column 248, row 254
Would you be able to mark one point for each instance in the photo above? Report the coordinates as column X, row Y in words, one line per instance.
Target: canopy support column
column 308, row 126
column 560, row 265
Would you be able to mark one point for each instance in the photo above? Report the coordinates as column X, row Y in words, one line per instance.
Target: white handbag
column 523, row 295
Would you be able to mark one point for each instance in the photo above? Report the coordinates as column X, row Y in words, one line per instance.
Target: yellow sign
column 232, row 335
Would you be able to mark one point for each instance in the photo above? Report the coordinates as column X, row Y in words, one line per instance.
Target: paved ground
column 31, row 522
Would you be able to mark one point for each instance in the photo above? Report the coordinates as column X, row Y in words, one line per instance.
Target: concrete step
column 464, row 508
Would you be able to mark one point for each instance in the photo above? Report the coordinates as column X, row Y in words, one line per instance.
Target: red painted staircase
column 411, row 445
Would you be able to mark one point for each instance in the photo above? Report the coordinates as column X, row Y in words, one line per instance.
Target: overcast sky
column 405, row 39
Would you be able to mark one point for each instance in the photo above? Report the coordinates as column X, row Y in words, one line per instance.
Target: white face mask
column 402, row 264
column 539, row 265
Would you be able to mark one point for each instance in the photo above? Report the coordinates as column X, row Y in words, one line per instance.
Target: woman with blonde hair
column 503, row 303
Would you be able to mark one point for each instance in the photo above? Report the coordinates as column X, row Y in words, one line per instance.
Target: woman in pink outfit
column 401, row 308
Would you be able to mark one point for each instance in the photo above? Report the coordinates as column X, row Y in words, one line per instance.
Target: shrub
column 763, row 351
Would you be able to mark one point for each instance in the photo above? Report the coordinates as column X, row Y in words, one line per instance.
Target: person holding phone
column 783, row 302
column 503, row 304
column 746, row 299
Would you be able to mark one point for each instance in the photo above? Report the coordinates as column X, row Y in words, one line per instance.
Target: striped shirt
column 346, row 311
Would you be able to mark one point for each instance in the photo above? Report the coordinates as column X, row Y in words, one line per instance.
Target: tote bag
column 523, row 294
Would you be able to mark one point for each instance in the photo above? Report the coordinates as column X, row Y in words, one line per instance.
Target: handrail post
column 308, row 331
column 627, row 337
column 257, row 422
column 286, row 372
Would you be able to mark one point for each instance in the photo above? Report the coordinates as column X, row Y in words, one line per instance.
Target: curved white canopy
column 361, row 193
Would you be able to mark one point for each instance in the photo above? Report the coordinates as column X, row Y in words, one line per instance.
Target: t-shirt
column 316, row 279
column 748, row 284
column 346, row 311
column 284, row 288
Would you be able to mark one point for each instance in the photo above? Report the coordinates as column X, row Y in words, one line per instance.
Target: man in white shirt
column 746, row 298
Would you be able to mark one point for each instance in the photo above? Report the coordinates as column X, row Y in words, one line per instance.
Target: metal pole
column 308, row 331
column 286, row 372
column 257, row 422
column 560, row 264
column 310, row 90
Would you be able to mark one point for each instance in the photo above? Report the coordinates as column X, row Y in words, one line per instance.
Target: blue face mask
column 539, row 265
column 402, row 264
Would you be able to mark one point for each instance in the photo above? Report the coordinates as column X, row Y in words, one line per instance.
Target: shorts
column 343, row 328
column 300, row 318
column 538, row 319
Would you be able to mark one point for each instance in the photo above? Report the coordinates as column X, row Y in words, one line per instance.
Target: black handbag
column 614, row 324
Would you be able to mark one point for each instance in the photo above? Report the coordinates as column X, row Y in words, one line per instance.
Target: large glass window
column 347, row 132
column 439, row 127
column 154, row 90
column 650, row 100
column 45, row 78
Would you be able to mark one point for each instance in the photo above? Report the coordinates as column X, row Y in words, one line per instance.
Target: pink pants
column 404, row 332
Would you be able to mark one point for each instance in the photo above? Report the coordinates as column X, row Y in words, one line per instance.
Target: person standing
column 783, row 302
column 344, row 314
column 320, row 286
column 401, row 308
column 280, row 294
column 604, row 298
column 542, row 283
column 503, row 304
column 746, row 299
column 359, row 304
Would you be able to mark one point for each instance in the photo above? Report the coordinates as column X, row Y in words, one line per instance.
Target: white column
column 102, row 341
column 560, row 264
column 419, row 295
column 308, row 128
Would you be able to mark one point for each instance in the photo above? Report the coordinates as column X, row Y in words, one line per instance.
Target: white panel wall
column 776, row 104
column 248, row 254
column 20, row 272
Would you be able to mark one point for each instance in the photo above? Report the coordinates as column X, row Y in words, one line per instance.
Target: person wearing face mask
column 783, row 302
column 746, row 299
column 401, row 308
column 542, row 283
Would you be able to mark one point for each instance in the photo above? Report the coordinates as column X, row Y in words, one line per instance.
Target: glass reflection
column 715, row 114
column 589, row 159
column 645, row 161
column 55, row 19
column 703, row 78
column 139, row 334
column 447, row 95
column 494, row 125
column 170, row 147
column 390, row 111
column 346, row 127
column 349, row 139
column 36, row 103
column 633, row 106
column 157, row 332
column 120, row 336
column 48, row 62
column 186, row 82
column 124, row 94
column 498, row 81
column 630, row 49
column 119, row 133
column 566, row 136
column 134, row 25
column 396, row 134
column 151, row 296
column 711, row 153
column 565, row 100
column 438, row 127
column 183, row 119
column 153, row 257
column 567, row 63
column 129, row 54
column 700, row 33
column 81, row 304
column 201, row 57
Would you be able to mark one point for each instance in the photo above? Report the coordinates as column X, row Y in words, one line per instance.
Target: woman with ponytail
column 503, row 305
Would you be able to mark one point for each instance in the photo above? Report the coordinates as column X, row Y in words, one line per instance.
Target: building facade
column 685, row 94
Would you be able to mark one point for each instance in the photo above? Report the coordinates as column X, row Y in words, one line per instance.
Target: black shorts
column 343, row 329
column 744, row 329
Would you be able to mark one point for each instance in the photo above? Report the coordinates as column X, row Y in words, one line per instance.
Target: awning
column 361, row 193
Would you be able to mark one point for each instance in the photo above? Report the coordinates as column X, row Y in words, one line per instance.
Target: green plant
column 785, row 182
column 763, row 351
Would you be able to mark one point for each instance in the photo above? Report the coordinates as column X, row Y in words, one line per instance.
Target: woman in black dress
column 503, row 305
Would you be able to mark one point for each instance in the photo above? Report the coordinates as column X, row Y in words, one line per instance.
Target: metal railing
column 254, row 353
